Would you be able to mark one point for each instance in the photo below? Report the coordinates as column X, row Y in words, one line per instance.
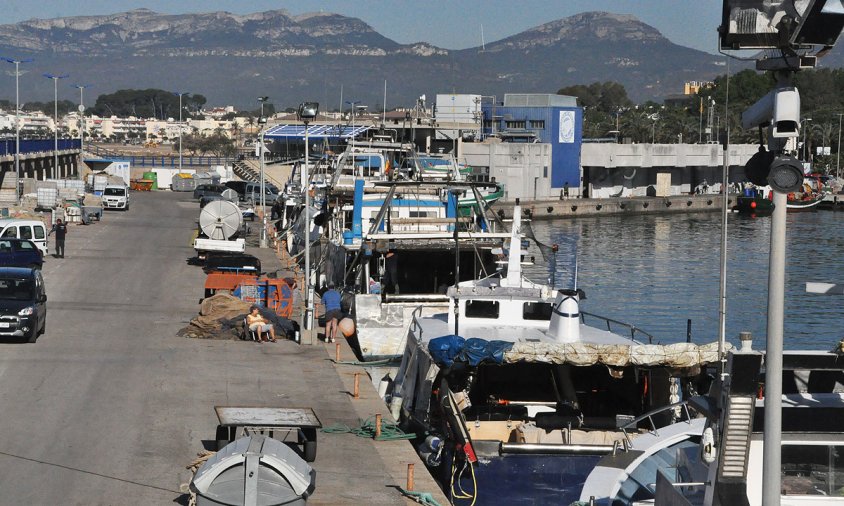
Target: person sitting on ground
column 260, row 325
column 333, row 312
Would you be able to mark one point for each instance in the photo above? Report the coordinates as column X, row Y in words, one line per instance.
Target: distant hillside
column 233, row 59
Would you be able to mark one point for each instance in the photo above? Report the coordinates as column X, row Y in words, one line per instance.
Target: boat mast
column 514, row 260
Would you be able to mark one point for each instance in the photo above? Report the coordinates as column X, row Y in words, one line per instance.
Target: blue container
column 348, row 237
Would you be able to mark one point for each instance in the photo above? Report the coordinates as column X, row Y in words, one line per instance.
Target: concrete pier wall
column 573, row 207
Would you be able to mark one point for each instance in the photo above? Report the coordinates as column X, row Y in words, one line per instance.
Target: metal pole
column 261, row 200
column 180, row 132
column 56, row 130
column 722, row 308
column 838, row 150
column 81, row 118
column 456, row 262
column 17, row 135
column 772, row 464
column 309, row 308
column 55, row 79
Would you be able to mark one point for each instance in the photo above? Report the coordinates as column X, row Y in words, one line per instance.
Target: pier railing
column 7, row 146
column 610, row 323
column 161, row 160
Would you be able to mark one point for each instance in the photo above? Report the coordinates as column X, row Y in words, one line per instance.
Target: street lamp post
column 55, row 79
column 262, row 200
column 307, row 112
column 262, row 121
column 180, row 94
column 81, row 88
column 17, row 126
column 354, row 105
column 838, row 150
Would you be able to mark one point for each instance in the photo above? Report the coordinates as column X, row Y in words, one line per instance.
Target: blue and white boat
column 520, row 397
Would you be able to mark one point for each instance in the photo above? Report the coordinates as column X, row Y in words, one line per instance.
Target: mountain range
column 233, row 59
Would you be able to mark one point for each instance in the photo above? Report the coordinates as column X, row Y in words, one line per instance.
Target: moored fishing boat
column 520, row 396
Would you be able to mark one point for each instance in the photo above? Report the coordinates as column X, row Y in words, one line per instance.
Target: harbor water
column 658, row 271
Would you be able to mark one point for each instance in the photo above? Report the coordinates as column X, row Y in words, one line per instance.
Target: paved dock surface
column 109, row 406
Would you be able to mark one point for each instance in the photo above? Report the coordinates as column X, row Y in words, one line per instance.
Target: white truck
column 116, row 196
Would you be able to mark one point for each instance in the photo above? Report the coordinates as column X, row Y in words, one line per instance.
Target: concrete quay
column 110, row 406
column 577, row 207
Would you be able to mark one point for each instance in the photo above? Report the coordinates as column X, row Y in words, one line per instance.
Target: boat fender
column 384, row 385
column 708, row 452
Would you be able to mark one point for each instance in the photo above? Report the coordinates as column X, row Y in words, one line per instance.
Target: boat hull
column 796, row 206
column 759, row 206
column 521, row 479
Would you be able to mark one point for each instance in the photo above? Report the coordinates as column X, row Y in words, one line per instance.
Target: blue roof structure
column 315, row 131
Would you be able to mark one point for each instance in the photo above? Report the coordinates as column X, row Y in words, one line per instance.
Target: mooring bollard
column 377, row 425
column 410, row 477
column 337, row 353
column 357, row 384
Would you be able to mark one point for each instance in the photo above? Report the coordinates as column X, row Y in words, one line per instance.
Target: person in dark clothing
column 390, row 283
column 60, row 228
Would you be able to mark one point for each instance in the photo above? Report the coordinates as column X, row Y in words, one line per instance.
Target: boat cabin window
column 812, row 469
column 481, row 309
column 536, row 311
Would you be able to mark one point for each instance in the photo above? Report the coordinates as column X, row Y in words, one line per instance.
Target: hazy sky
column 449, row 24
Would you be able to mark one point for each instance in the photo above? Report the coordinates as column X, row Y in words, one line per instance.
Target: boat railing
column 609, row 322
column 682, row 406
column 414, row 321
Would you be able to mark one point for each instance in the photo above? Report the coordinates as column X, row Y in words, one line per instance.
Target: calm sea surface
column 658, row 271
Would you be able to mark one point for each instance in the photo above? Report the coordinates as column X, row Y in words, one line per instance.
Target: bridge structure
column 38, row 159
column 148, row 160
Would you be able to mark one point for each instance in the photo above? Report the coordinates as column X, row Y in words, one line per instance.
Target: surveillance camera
column 780, row 108
column 786, row 113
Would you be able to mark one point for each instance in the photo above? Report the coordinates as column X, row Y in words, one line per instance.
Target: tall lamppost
column 55, row 79
column 354, row 105
column 17, row 126
column 263, row 121
column 81, row 88
column 180, row 94
column 838, row 150
column 261, row 101
column 307, row 112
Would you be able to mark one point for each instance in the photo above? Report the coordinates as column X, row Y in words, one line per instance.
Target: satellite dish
column 81, row 108
column 230, row 195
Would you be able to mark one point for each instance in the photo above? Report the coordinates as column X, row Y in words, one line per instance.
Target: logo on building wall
column 566, row 127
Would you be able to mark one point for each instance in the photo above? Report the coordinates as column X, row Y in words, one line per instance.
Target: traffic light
column 783, row 173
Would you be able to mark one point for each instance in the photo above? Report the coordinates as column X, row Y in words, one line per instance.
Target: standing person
column 259, row 324
column 333, row 312
column 390, row 283
column 60, row 228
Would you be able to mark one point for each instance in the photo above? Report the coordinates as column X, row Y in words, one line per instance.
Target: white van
column 34, row 230
column 116, row 196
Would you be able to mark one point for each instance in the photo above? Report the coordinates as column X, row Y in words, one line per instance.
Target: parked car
column 116, row 196
column 20, row 253
column 253, row 192
column 23, row 303
column 18, row 228
column 208, row 190
column 232, row 262
column 238, row 186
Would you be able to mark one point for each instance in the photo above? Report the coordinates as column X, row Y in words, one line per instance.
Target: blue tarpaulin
column 446, row 350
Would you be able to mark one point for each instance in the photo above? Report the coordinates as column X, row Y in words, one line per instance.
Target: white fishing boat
column 520, row 397
column 731, row 472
